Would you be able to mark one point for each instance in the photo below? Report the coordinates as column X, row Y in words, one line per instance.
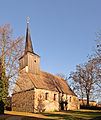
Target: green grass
column 63, row 115
column 70, row 115
column 75, row 115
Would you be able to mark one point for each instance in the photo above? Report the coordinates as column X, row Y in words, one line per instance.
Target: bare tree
column 84, row 80
column 98, row 46
column 97, row 57
column 11, row 49
column 97, row 61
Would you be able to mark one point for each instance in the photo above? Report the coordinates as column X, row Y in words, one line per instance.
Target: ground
column 68, row 115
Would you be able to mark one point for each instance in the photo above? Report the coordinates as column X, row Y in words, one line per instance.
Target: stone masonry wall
column 73, row 103
column 23, row 102
column 35, row 101
column 48, row 105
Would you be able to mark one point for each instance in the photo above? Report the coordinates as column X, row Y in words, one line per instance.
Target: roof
column 44, row 80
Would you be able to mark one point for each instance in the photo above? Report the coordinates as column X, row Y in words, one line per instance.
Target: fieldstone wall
column 47, row 105
column 35, row 101
column 23, row 101
column 73, row 103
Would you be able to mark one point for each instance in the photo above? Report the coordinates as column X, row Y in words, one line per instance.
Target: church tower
column 29, row 62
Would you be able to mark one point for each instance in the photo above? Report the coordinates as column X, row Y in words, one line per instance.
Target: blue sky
column 62, row 31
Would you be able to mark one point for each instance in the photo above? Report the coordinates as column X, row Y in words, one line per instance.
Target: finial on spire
column 28, row 19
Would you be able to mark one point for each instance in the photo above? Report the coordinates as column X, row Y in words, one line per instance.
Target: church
column 38, row 91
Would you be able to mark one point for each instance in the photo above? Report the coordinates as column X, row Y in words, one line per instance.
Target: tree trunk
column 87, row 99
column 1, row 107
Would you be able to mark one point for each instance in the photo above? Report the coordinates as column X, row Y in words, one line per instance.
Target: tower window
column 46, row 96
column 34, row 60
column 54, row 97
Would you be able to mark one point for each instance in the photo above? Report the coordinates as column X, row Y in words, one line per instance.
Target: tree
column 97, row 57
column 84, row 80
column 3, row 85
column 97, row 53
column 1, row 107
column 97, row 61
column 11, row 49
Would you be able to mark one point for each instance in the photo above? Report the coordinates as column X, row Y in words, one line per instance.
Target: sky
column 63, row 32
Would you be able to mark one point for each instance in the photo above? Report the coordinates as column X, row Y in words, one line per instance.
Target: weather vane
column 28, row 19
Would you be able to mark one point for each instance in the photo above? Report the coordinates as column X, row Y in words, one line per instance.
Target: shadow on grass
column 85, row 112
column 6, row 116
column 34, row 118
column 96, row 118
column 53, row 116
column 75, row 115
column 62, row 116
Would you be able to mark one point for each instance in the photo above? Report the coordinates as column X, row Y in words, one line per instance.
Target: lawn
column 75, row 115
column 63, row 115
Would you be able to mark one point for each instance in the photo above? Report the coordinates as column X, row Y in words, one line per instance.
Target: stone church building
column 36, row 90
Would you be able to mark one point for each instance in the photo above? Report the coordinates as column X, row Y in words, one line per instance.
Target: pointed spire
column 28, row 44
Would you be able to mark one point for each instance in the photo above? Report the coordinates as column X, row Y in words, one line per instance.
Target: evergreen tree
column 3, row 84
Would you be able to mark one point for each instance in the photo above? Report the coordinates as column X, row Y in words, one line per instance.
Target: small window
column 54, row 97
column 34, row 60
column 46, row 96
column 70, row 99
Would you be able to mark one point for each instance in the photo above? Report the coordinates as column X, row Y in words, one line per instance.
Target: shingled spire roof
column 28, row 44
